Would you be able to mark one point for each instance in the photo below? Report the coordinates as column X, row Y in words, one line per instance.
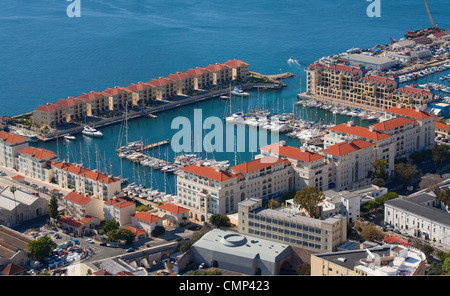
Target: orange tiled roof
column 147, row 217
column 114, row 201
column 258, row 164
column 12, row 138
column 134, row 230
column 408, row 112
column 379, row 79
column 173, row 208
column 209, row 172
column 359, row 131
column 38, row 153
column 441, row 125
column 235, row 63
column 78, row 198
column 292, row 152
column 345, row 148
column 393, row 123
column 124, row 204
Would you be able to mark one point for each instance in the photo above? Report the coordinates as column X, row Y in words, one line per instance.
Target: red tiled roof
column 114, row 201
column 179, row 76
column 109, row 180
column 96, row 176
column 216, row 67
column 173, row 208
column 411, row 90
column 408, row 112
column 441, row 125
column 161, row 81
column 18, row 177
column 116, row 90
column 393, row 123
column 13, row 269
column 345, row 148
column 78, row 198
column 345, row 68
column 235, row 63
column 102, row 272
column 87, row 219
column 75, row 169
column 359, row 131
column 292, row 152
column 140, row 86
column 134, row 230
column 258, row 164
column 93, row 95
column 124, row 204
column 379, row 79
column 38, row 153
column 12, row 138
column 209, row 172
column 144, row 216
column 61, row 165
column 197, row 71
column 71, row 222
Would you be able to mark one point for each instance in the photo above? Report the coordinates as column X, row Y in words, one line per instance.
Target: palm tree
column 13, row 191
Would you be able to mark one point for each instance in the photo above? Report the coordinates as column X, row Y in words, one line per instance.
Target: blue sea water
column 46, row 55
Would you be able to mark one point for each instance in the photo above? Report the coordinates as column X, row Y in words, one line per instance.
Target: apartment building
column 91, row 182
column 386, row 260
column 310, row 169
column 221, row 73
column 239, row 69
column 403, row 131
column 143, row 93
column 425, row 128
column 350, row 162
column 184, row 82
column 419, row 215
column 146, row 221
column 120, row 210
column 10, row 145
column 411, row 96
column 173, row 215
column 119, row 98
column 165, row 88
column 349, row 85
column 96, row 102
column 290, row 226
column 442, row 130
column 384, row 144
column 35, row 163
column 203, row 79
column 78, row 205
column 206, row 190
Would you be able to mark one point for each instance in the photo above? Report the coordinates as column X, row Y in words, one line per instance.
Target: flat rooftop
column 367, row 59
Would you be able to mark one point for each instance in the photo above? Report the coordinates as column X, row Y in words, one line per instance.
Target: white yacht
column 239, row 92
column 91, row 132
column 69, row 137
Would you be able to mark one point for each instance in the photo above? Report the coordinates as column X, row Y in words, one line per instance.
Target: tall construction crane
column 429, row 15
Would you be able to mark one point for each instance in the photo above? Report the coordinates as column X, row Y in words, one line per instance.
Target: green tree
column 41, row 248
column 158, row 230
column 379, row 182
column 273, row 204
column 440, row 153
column 371, row 233
column 308, row 198
column 121, row 234
column 53, row 207
column 446, row 265
column 380, row 166
column 406, row 172
column 110, row 225
column 219, row 220
column 444, row 197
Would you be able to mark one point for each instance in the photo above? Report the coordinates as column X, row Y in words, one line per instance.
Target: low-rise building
column 120, row 210
column 386, row 260
column 35, row 163
column 242, row 253
column 13, row 248
column 20, row 206
column 79, row 205
column 146, row 221
column 291, row 226
column 173, row 215
column 350, row 162
column 10, row 145
column 419, row 215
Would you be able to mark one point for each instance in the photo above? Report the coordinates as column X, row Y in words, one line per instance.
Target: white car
column 89, row 241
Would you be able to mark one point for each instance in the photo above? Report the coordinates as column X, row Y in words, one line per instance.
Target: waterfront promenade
column 168, row 105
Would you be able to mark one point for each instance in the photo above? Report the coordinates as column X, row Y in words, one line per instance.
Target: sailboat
column 129, row 146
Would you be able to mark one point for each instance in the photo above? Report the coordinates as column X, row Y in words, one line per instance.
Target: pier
column 151, row 111
column 154, row 145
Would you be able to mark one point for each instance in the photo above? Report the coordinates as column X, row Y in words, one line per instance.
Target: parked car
column 89, row 241
column 102, row 244
column 112, row 245
column 130, row 249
